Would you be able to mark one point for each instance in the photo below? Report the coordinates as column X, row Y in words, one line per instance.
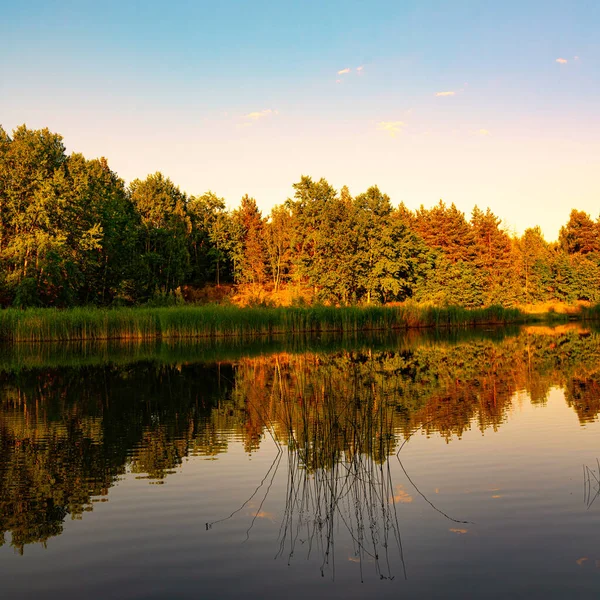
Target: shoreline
column 224, row 321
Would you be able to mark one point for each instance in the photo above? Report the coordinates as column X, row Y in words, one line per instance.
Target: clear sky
column 474, row 102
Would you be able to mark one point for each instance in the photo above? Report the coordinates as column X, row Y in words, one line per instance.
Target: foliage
column 165, row 225
column 72, row 234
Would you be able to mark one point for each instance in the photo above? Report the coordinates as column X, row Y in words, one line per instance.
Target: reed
column 590, row 313
column 46, row 324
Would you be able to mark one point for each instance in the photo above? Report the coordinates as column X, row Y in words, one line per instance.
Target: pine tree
column 445, row 228
column 533, row 265
column 580, row 235
column 249, row 247
column 493, row 257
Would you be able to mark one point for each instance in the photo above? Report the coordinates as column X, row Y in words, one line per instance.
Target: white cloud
column 445, row 93
column 392, row 127
column 562, row 61
column 261, row 114
column 343, row 71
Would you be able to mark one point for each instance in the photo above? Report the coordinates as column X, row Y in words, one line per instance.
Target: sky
column 495, row 104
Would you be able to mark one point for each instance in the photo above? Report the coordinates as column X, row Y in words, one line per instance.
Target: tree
column 249, row 247
column 31, row 171
column 388, row 255
column 533, row 265
column 445, row 228
column 208, row 260
column 446, row 283
column 165, row 227
column 321, row 241
column 580, row 235
column 493, row 257
column 278, row 232
column 108, row 269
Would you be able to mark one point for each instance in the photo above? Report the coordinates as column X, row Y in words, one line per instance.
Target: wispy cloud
column 445, row 93
column 562, row 61
column 338, row 81
column 261, row 114
column 360, row 69
column 392, row 127
column 482, row 132
column 343, row 71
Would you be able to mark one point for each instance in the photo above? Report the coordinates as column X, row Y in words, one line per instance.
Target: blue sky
column 463, row 101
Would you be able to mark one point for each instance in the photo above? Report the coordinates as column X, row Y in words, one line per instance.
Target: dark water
column 398, row 467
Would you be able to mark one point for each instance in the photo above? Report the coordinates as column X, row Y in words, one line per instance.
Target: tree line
column 72, row 233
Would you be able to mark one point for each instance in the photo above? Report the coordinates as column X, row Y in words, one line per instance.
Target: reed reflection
column 339, row 477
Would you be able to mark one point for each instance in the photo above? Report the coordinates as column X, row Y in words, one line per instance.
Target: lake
column 423, row 465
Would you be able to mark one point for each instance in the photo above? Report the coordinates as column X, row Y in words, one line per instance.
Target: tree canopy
column 73, row 233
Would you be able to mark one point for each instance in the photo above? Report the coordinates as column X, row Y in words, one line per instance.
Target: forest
column 72, row 233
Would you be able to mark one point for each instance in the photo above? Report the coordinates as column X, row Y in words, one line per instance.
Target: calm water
column 398, row 467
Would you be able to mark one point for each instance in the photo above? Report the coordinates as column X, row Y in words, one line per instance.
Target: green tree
column 108, row 269
column 447, row 283
column 31, row 175
column 207, row 213
column 493, row 257
column 165, row 227
column 278, row 233
column 389, row 257
column 534, row 265
column 321, row 241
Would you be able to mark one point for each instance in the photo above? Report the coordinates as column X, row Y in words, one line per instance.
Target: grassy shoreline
column 37, row 325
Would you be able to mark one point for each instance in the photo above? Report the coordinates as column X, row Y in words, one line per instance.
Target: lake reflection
column 423, row 466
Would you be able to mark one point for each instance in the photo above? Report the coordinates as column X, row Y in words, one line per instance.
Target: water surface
column 413, row 466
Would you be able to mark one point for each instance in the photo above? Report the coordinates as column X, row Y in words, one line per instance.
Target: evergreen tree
column 249, row 247
column 580, row 235
column 445, row 228
column 493, row 258
column 534, row 265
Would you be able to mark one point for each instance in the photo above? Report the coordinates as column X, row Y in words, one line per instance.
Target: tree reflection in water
column 71, row 425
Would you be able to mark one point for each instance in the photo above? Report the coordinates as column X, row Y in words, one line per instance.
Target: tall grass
column 35, row 325
column 590, row 313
